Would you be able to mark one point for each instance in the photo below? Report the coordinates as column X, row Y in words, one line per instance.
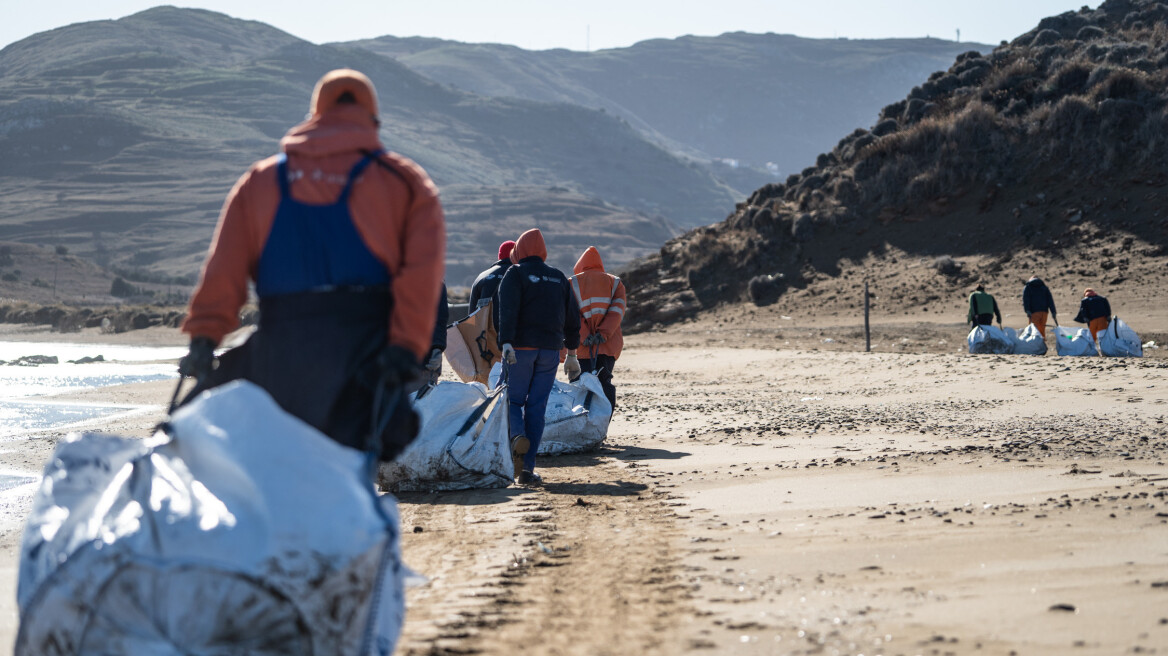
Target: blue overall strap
column 282, row 176
column 316, row 247
column 353, row 173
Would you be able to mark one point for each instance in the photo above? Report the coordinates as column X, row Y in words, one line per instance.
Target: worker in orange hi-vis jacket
column 601, row 297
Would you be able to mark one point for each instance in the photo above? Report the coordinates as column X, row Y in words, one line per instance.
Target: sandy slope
column 763, row 497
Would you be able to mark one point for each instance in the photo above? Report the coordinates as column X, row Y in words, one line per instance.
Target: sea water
column 26, row 391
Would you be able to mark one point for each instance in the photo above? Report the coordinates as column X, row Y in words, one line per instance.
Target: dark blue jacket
column 537, row 308
column 1093, row 307
column 1036, row 298
column 487, row 283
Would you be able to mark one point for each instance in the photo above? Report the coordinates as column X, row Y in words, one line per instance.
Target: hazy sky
column 579, row 25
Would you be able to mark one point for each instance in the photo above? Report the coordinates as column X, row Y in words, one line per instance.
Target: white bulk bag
column 1118, row 340
column 1069, row 341
column 577, row 415
column 1030, row 341
column 989, row 339
column 236, row 529
column 462, row 443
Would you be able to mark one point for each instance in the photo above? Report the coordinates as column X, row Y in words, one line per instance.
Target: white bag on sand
column 1070, row 341
column 1030, row 341
column 1120, row 341
column 242, row 531
column 988, row 339
column 462, row 443
column 577, row 415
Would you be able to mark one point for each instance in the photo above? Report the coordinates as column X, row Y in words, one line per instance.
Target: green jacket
column 982, row 303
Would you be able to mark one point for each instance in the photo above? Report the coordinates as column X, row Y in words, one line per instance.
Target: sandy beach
column 793, row 496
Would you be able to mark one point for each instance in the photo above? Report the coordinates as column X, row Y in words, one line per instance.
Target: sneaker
column 529, row 478
column 519, row 446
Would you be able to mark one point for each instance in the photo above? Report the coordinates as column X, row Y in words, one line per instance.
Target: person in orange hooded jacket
column 601, row 297
column 345, row 243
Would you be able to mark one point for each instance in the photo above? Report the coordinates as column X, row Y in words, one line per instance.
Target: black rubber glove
column 398, row 366
column 199, row 360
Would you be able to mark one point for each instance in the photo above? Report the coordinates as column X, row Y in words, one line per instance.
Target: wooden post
column 867, row 332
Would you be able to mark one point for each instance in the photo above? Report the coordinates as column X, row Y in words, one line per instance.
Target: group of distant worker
column 1038, row 304
column 345, row 244
column 542, row 317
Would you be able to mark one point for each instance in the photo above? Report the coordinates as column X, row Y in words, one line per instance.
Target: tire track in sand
column 585, row 564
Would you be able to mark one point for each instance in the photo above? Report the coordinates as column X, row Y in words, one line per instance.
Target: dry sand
column 776, row 494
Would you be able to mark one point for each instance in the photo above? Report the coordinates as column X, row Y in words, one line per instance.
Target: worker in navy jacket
column 487, row 283
column 538, row 316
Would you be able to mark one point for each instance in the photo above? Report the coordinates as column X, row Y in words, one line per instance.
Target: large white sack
column 1118, row 340
column 577, row 415
column 989, row 339
column 1069, row 341
column 243, row 531
column 462, row 443
column 1030, row 341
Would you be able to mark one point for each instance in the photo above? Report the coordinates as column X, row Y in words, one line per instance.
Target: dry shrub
column 1123, row 84
column 1070, row 79
column 1072, row 119
column 1012, row 76
column 1151, row 138
column 1158, row 35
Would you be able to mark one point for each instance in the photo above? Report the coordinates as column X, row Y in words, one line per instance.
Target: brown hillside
column 1047, row 156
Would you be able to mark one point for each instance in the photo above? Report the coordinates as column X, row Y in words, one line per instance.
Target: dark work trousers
column 603, row 369
column 529, row 384
column 315, row 354
column 985, row 319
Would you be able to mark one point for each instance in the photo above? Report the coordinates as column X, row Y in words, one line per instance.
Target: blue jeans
column 529, row 383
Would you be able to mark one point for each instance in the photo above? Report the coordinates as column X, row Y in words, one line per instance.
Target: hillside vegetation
column 1047, row 155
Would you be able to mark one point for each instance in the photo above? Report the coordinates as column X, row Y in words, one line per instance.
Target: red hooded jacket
column 601, row 297
column 396, row 212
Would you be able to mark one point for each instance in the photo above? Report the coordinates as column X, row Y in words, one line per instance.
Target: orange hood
column 339, row 82
column 530, row 243
column 589, row 261
column 343, row 130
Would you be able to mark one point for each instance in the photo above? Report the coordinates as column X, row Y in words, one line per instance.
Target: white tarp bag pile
column 1030, row 341
column 577, row 415
column 1120, row 341
column 242, row 531
column 988, row 339
column 1074, row 342
column 462, row 443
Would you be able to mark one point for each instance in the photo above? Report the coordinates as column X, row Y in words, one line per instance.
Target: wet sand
column 759, row 497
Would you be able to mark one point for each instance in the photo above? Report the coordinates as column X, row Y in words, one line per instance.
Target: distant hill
column 120, row 139
column 1047, row 156
column 755, row 98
